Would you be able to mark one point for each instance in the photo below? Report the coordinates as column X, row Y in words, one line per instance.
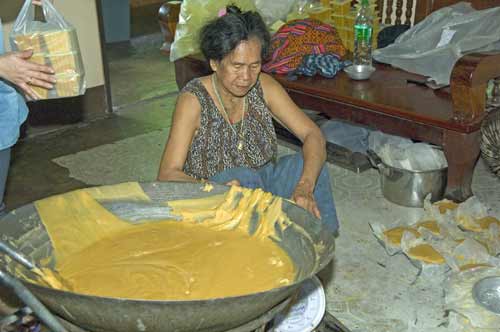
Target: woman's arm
column 313, row 148
column 186, row 121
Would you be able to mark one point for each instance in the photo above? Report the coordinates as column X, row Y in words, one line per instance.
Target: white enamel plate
column 307, row 311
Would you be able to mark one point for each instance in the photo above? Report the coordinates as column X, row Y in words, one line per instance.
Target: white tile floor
column 369, row 290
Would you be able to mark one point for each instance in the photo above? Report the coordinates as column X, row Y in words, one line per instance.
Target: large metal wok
column 23, row 229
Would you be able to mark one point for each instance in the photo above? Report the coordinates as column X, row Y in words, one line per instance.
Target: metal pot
column 406, row 187
column 23, row 229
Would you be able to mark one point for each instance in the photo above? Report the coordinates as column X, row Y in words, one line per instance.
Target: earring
column 213, row 65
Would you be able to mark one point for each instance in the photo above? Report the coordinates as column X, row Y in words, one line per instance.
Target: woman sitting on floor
column 222, row 128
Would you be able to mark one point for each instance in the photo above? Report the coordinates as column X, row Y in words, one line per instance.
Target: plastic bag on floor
column 390, row 237
column 54, row 43
column 458, row 298
column 427, row 258
column 470, row 213
column 459, row 323
column 402, row 153
column 432, row 47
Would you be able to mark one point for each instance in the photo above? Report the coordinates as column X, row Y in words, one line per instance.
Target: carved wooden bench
column 449, row 117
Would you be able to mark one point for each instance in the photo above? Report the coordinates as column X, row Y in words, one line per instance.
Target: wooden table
column 388, row 102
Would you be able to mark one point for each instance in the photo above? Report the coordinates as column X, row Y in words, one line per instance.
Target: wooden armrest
column 189, row 67
column 168, row 17
column 469, row 79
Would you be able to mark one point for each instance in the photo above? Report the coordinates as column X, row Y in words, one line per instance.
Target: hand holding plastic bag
column 16, row 68
column 54, row 43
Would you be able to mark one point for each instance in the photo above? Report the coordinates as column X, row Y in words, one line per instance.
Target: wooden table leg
column 461, row 151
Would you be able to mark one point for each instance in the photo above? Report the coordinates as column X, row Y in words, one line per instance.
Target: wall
column 116, row 20
column 83, row 15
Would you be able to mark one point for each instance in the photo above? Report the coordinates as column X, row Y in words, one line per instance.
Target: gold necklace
column 240, row 136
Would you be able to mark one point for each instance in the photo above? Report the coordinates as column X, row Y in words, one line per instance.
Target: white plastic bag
column 272, row 11
column 54, row 43
column 433, row 46
column 458, row 298
column 194, row 14
column 402, row 153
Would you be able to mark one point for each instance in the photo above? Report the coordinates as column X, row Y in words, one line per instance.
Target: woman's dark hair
column 221, row 36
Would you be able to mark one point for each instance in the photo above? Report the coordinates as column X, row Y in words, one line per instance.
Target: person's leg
column 282, row 178
column 247, row 177
column 4, row 169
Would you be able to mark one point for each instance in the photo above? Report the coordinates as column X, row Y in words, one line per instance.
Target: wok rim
column 117, row 299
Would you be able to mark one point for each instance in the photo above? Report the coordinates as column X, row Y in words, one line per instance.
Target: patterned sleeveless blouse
column 214, row 146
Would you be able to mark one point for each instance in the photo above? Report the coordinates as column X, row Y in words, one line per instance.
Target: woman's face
column 240, row 69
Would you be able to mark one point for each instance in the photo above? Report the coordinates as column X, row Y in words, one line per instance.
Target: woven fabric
column 327, row 65
column 299, row 38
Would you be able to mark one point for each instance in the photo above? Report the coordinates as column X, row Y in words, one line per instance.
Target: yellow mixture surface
column 172, row 260
column 477, row 225
column 430, row 225
column 446, row 205
column 426, row 253
column 395, row 235
column 210, row 254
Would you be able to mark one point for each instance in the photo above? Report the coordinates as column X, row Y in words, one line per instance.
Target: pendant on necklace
column 240, row 145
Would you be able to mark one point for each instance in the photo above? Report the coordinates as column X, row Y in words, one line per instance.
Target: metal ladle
column 55, row 282
column 24, row 293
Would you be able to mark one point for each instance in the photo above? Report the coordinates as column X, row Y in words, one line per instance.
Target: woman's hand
column 39, row 2
column 303, row 196
column 16, row 68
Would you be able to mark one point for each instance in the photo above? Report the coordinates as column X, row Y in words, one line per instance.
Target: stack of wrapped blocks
column 58, row 49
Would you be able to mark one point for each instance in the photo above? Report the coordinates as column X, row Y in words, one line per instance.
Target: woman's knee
column 295, row 162
column 247, row 177
column 324, row 175
column 290, row 166
column 295, row 159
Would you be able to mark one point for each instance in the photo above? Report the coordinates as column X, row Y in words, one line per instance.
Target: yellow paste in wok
column 210, row 254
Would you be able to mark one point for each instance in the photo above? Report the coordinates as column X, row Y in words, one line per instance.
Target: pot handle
column 377, row 162
column 374, row 159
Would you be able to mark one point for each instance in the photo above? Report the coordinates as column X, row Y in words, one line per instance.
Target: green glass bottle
column 363, row 31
